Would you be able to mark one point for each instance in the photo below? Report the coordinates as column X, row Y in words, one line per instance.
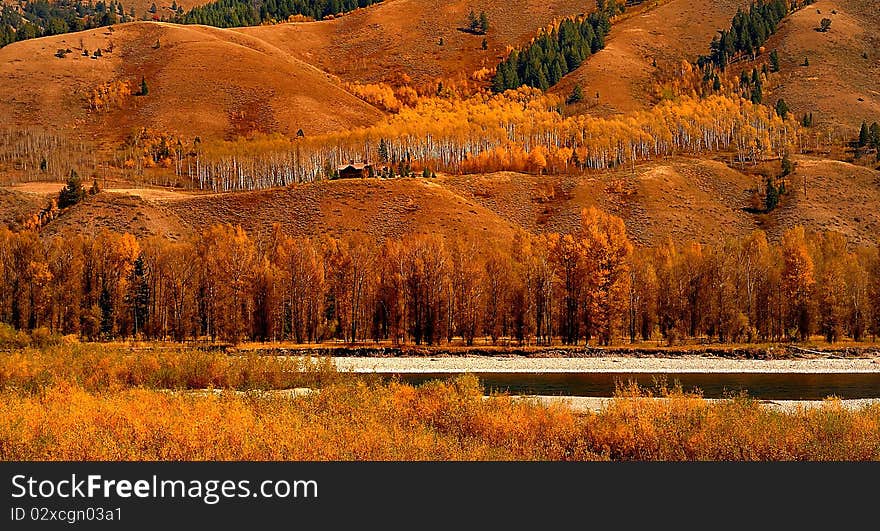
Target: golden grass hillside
column 832, row 195
column 687, row 199
column 218, row 83
column 114, row 211
column 840, row 86
column 17, row 207
column 379, row 209
column 623, row 73
column 202, row 81
column 402, row 37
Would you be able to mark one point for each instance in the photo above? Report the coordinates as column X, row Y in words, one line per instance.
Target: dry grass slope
column 377, row 208
column 16, row 207
column 623, row 72
column 686, row 199
column 840, row 86
column 120, row 213
column 396, row 37
column 839, row 196
column 202, row 81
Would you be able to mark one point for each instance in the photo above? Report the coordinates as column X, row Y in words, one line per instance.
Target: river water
column 766, row 386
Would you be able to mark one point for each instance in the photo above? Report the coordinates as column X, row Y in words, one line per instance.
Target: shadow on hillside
column 471, row 31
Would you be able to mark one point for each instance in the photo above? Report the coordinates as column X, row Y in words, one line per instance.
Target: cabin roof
column 354, row 166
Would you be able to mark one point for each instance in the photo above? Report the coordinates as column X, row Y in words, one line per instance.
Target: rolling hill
column 402, row 37
column 841, row 85
column 671, row 32
column 216, row 83
column 202, row 81
column 685, row 199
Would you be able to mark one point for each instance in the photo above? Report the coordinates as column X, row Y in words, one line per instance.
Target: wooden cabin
column 355, row 170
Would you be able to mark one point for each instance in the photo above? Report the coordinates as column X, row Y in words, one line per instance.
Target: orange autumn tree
column 302, row 261
column 642, row 303
column 565, row 252
column 467, row 288
column 109, row 262
column 228, row 258
column 606, row 254
column 224, row 285
column 798, row 281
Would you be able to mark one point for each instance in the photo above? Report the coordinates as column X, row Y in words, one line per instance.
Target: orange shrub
column 441, row 420
column 97, row 367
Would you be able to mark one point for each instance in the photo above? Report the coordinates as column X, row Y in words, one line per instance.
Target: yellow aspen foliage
column 606, row 252
column 110, row 95
column 798, row 281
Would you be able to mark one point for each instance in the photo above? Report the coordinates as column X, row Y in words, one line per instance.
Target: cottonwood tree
column 568, row 267
column 424, row 267
column 228, row 258
column 497, row 294
column 642, row 303
column 468, row 287
column 606, row 253
column 798, row 283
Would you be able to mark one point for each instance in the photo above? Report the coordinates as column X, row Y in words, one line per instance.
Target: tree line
column 40, row 18
column 748, row 32
column 39, row 154
column 554, row 53
column 588, row 286
column 235, row 13
column 520, row 130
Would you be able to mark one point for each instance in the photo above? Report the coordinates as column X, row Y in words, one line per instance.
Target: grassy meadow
column 73, row 401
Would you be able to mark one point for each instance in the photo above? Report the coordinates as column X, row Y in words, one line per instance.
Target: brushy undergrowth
column 96, row 367
column 356, row 420
column 368, row 419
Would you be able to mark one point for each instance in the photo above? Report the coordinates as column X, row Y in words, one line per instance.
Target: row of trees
column 554, row 53
column 235, row 13
column 38, row 154
column 748, row 32
column 520, row 130
column 590, row 285
column 39, row 18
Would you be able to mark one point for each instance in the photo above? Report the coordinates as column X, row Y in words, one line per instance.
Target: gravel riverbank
column 589, row 404
column 678, row 364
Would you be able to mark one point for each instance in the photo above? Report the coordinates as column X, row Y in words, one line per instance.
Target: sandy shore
column 589, row 404
column 678, row 364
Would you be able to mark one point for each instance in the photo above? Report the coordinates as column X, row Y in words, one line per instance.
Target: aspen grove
column 592, row 285
column 519, row 130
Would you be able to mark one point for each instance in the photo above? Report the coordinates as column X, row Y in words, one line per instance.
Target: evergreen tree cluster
column 774, row 61
column 234, row 13
column 72, row 193
column 478, row 25
column 782, row 108
column 773, row 193
column 752, row 88
column 41, row 18
column 807, row 120
column 869, row 136
column 553, row 54
column 748, row 31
